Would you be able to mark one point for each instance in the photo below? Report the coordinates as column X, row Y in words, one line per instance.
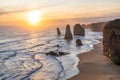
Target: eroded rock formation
column 111, row 40
column 68, row 34
column 78, row 42
column 98, row 27
column 58, row 31
column 56, row 54
column 78, row 30
column 84, row 25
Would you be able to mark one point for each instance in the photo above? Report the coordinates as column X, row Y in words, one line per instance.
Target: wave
column 23, row 57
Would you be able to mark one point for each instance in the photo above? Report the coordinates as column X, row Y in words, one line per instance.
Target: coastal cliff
column 111, row 40
column 98, row 27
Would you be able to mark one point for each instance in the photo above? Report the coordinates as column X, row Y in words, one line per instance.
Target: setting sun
column 59, row 39
column 34, row 17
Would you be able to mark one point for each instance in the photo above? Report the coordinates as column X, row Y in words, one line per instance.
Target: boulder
column 62, row 53
column 52, row 53
column 78, row 42
column 79, row 30
column 58, row 31
column 68, row 34
column 111, row 40
column 56, row 54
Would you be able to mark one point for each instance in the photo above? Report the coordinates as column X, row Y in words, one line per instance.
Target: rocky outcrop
column 98, row 27
column 78, row 30
column 84, row 25
column 56, row 54
column 111, row 40
column 58, row 31
column 62, row 53
column 78, row 42
column 52, row 53
column 68, row 34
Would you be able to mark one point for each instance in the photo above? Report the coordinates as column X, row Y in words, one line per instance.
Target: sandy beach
column 94, row 65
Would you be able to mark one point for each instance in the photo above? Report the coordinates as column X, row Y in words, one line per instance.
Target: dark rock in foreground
column 62, row 53
column 58, row 31
column 111, row 40
column 56, row 54
column 78, row 42
column 79, row 30
column 52, row 53
column 68, row 34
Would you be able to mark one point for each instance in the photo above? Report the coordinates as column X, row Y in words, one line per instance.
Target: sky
column 13, row 10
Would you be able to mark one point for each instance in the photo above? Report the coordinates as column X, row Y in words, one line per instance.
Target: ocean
column 22, row 53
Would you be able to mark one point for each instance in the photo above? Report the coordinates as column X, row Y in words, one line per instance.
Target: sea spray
column 22, row 54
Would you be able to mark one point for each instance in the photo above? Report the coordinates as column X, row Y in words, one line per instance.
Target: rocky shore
column 94, row 65
column 100, row 63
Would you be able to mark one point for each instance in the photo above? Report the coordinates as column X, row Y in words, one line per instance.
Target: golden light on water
column 34, row 17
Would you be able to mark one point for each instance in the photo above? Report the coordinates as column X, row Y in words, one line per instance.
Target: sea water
column 22, row 54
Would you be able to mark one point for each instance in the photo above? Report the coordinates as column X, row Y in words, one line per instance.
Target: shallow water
column 22, row 54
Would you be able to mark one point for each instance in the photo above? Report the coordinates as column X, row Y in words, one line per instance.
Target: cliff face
column 111, row 40
column 97, row 26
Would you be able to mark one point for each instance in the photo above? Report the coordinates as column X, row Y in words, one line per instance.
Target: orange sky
column 14, row 12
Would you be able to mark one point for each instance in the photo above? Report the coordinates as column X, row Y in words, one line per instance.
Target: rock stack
column 58, row 31
column 68, row 34
column 111, row 40
column 79, row 30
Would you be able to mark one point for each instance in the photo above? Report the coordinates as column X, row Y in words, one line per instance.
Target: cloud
column 17, row 11
column 13, row 8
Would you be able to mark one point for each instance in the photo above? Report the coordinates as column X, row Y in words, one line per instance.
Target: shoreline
column 93, row 65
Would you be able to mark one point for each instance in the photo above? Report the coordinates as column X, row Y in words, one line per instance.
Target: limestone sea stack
column 111, row 40
column 68, row 34
column 58, row 31
column 79, row 30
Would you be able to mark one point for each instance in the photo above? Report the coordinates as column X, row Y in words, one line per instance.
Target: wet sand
column 94, row 65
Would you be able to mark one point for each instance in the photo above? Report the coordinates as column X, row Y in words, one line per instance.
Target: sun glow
column 34, row 17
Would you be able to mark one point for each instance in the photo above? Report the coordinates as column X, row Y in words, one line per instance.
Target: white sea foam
column 22, row 55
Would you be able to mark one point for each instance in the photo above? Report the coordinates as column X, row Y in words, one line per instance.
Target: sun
column 34, row 17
